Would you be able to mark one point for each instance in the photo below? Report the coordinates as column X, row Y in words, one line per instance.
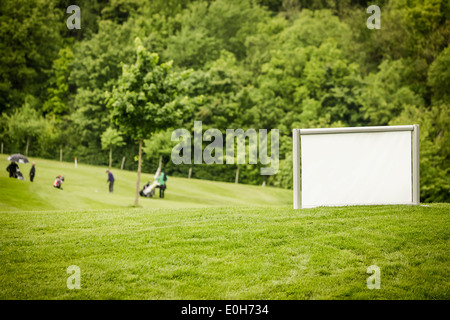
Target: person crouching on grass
column 58, row 182
column 110, row 180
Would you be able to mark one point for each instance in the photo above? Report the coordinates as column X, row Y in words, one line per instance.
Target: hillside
column 85, row 187
column 208, row 240
column 227, row 253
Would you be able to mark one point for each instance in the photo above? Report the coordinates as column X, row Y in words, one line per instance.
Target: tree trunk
column 190, row 172
column 60, row 153
column 28, row 144
column 160, row 161
column 2, row 148
column 138, row 182
column 237, row 175
column 110, row 157
column 123, row 162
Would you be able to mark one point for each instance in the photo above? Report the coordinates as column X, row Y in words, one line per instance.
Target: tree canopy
column 264, row 64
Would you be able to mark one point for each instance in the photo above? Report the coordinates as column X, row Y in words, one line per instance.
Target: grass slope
column 85, row 188
column 236, row 247
column 227, row 253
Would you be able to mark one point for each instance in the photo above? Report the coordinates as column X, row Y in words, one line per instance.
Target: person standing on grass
column 162, row 178
column 32, row 172
column 12, row 169
column 110, row 180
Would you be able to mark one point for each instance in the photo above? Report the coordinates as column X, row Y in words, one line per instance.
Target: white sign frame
column 415, row 174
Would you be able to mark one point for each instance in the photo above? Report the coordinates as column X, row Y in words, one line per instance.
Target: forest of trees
column 262, row 64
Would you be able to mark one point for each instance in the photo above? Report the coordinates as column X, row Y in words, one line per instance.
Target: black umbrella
column 20, row 158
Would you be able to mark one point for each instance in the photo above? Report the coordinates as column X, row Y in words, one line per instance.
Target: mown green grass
column 217, row 252
column 85, row 187
column 227, row 253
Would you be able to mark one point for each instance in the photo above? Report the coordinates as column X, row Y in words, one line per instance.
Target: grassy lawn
column 193, row 249
column 85, row 187
column 227, row 253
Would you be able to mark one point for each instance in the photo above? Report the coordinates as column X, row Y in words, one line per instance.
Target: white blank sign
column 356, row 169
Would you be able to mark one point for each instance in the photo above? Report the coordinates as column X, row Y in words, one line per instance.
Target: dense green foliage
column 145, row 100
column 252, row 64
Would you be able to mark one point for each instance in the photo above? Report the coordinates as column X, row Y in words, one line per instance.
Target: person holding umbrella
column 12, row 169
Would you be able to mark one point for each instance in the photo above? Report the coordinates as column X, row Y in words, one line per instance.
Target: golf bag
column 19, row 175
column 147, row 191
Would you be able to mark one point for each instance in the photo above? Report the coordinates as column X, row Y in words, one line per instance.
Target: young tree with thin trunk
column 111, row 138
column 146, row 99
column 26, row 125
column 159, row 146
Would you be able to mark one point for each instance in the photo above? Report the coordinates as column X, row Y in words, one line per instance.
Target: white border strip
column 356, row 130
column 296, row 168
column 416, row 165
